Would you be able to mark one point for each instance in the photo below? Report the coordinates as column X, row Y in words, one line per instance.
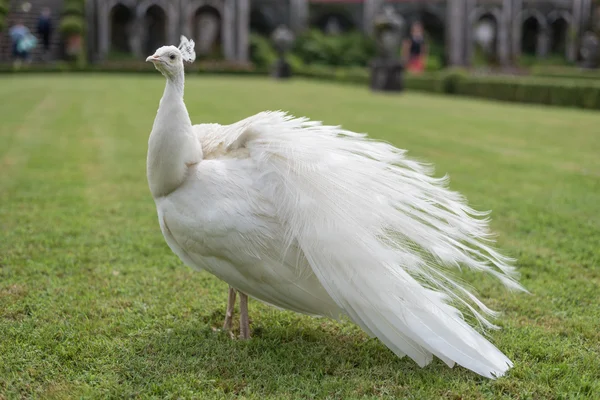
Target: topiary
column 73, row 8
column 71, row 25
column 3, row 12
column 3, row 8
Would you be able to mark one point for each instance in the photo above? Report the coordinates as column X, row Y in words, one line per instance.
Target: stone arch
column 489, row 20
column 261, row 22
column 559, row 23
column 121, row 19
column 435, row 29
column 333, row 19
column 533, row 32
column 160, row 14
column 154, row 28
column 433, row 24
column 207, row 31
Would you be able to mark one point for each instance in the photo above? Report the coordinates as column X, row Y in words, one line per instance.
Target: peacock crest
column 186, row 47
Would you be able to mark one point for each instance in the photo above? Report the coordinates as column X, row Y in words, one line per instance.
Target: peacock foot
column 244, row 319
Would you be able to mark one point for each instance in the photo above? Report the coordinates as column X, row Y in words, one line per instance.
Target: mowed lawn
column 93, row 304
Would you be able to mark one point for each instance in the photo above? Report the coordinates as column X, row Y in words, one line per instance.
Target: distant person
column 44, row 30
column 415, row 49
column 22, row 42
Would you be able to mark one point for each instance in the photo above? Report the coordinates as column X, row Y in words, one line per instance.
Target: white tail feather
column 382, row 234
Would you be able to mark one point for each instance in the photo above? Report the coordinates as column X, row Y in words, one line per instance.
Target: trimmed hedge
column 566, row 72
column 534, row 90
column 559, row 92
column 72, row 25
column 134, row 67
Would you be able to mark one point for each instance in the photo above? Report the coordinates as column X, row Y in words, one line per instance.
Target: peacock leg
column 244, row 320
column 230, row 308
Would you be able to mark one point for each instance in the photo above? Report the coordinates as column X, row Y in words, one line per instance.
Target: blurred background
column 514, row 36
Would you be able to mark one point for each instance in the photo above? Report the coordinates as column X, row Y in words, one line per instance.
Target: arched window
column 121, row 18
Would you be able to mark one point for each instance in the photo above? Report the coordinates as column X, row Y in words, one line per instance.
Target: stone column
column 173, row 25
column 586, row 11
column 138, row 33
column 455, row 32
column 243, row 14
column 298, row 15
column 228, row 30
column 517, row 27
column 90, row 9
column 370, row 10
column 103, row 31
column 504, row 33
column 184, row 20
column 468, row 29
column 575, row 31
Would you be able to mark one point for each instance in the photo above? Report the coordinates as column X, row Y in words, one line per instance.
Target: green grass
column 93, row 304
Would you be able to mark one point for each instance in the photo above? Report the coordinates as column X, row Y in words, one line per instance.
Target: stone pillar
column 103, row 31
column 468, row 29
column 137, row 33
column 298, row 15
column 243, row 14
column 185, row 20
column 370, row 10
column 228, row 30
column 455, row 32
column 586, row 12
column 504, row 33
column 173, row 26
column 575, row 28
column 90, row 15
column 517, row 27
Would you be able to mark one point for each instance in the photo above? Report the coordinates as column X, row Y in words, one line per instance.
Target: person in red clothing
column 415, row 49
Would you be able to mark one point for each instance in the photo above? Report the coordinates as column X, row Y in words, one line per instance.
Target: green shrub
column 262, row 53
column 73, row 8
column 3, row 12
column 71, row 25
column 3, row 8
column 549, row 91
column 450, row 79
column 423, row 83
column 348, row 49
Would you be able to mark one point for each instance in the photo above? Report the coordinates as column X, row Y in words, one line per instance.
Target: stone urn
column 386, row 68
column 283, row 40
column 590, row 50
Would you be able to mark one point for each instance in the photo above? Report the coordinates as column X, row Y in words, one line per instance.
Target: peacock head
column 169, row 59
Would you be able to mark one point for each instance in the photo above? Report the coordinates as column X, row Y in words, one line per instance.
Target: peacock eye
column 172, row 56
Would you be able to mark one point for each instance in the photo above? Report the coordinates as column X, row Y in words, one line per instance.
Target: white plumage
column 323, row 221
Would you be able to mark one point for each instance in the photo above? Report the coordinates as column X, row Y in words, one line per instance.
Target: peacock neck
column 174, row 87
column 172, row 146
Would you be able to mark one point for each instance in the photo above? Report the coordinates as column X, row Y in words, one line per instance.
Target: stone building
column 502, row 29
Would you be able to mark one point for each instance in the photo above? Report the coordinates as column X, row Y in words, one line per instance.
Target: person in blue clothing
column 44, row 30
column 22, row 42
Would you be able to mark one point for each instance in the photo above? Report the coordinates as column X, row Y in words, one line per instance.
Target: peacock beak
column 153, row 58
